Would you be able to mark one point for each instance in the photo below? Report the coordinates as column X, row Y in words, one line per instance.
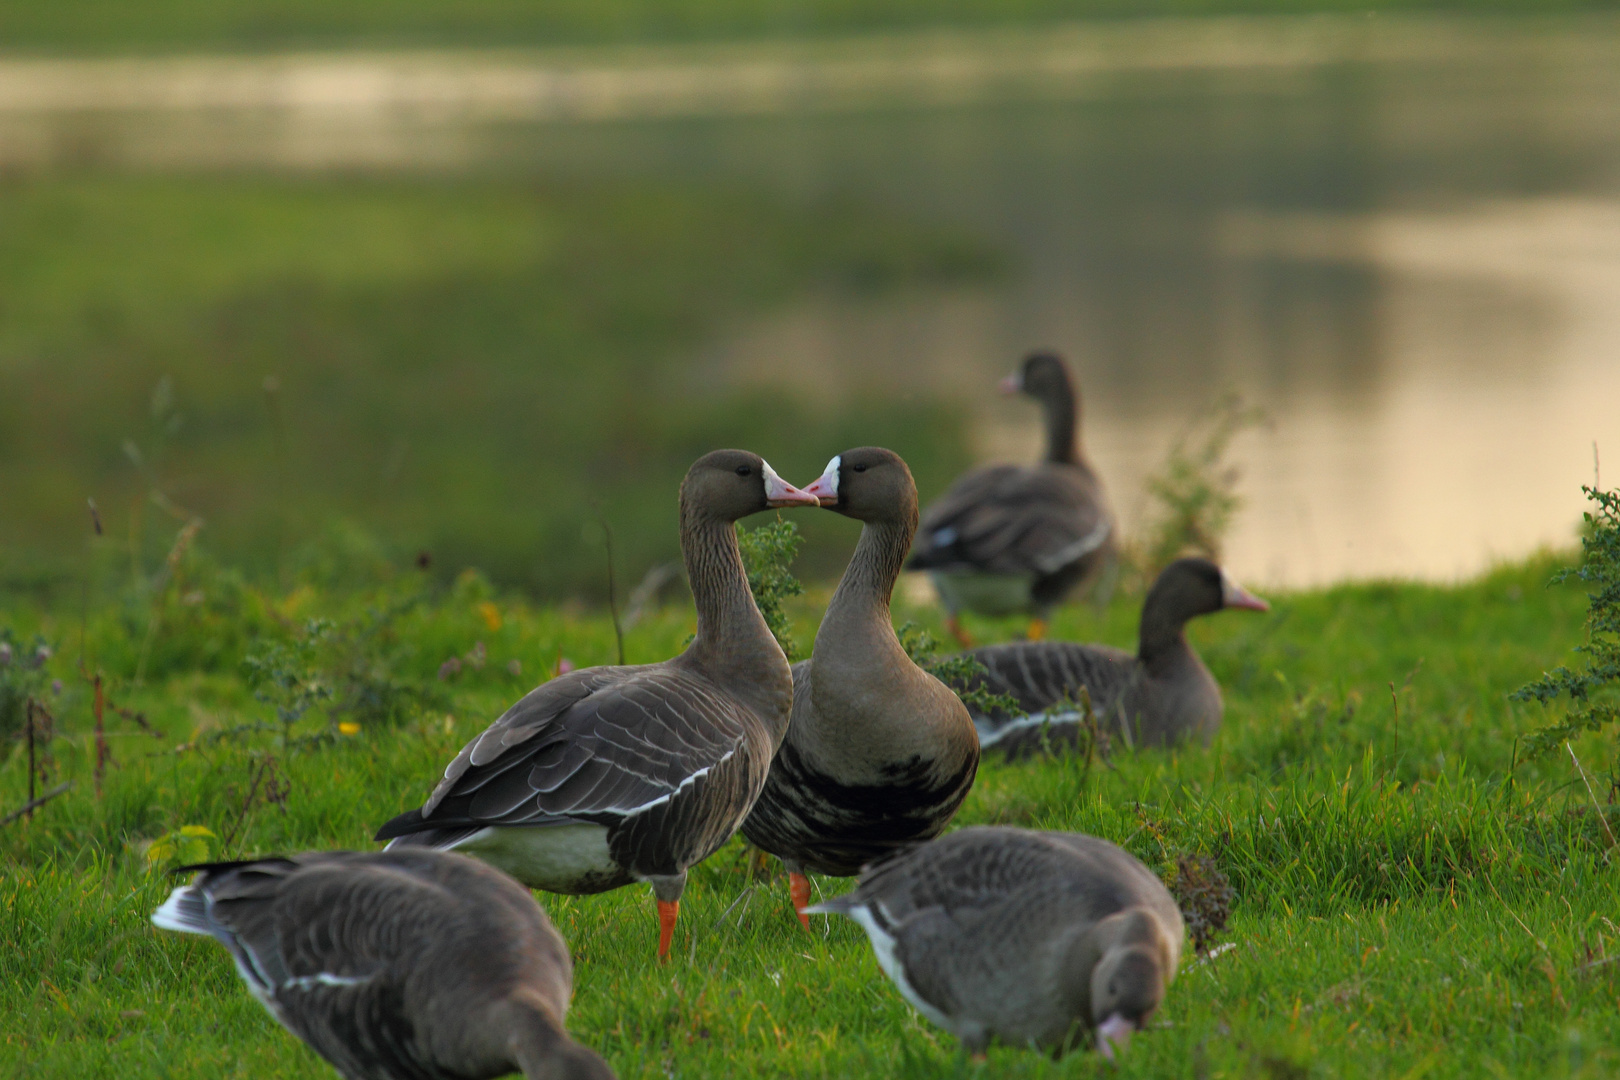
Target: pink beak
column 1235, row 595
column 778, row 492
column 1012, row 384
column 1114, row 1032
column 825, row 488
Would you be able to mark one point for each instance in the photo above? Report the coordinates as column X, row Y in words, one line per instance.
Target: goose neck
column 868, row 581
column 1062, row 411
column 1162, row 641
column 729, row 626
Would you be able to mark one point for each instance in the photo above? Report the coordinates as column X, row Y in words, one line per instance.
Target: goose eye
column 858, row 468
column 743, row 470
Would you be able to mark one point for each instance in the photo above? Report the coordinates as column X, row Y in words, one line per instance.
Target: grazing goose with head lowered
column 1007, row 538
column 395, row 965
column 1161, row 695
column 1031, row 938
column 610, row 775
column 879, row 753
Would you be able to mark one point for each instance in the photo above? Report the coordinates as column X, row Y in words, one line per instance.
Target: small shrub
column 963, row 674
column 1196, row 489
column 22, row 676
column 1204, row 896
column 1595, row 690
column 184, row 846
column 767, row 552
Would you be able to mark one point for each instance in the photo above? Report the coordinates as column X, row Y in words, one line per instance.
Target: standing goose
column 1161, row 695
column 407, row 965
column 1031, row 938
column 610, row 775
column 879, row 753
column 1009, row 538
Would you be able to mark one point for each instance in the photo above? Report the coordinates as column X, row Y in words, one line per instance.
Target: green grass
column 1403, row 907
column 475, row 367
column 161, row 25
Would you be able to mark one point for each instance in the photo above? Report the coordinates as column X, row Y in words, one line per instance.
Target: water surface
column 1401, row 238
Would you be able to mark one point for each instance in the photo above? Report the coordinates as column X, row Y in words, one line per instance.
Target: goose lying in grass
column 610, row 775
column 1040, row 939
column 1011, row 538
column 879, row 753
column 410, row 965
column 1160, row 695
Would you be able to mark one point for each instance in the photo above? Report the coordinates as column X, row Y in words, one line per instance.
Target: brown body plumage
column 879, row 753
column 409, row 965
column 610, row 775
column 1158, row 696
column 1030, row 938
column 1012, row 538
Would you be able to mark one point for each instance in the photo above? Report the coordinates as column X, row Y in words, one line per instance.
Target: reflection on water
column 1402, row 238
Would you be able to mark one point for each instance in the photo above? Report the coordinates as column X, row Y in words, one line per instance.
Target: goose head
column 1126, row 987
column 731, row 484
column 1044, row 376
column 1191, row 587
column 868, row 483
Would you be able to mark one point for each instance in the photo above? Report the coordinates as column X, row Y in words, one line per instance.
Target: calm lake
column 1399, row 237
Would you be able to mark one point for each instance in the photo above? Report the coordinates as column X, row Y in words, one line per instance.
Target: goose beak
column 1012, row 384
column 825, row 488
column 778, row 492
column 1113, row 1034
column 1235, row 595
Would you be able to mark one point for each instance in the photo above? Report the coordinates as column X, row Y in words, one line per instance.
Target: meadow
column 1411, row 898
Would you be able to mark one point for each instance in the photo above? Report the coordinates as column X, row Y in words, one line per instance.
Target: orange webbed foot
column 668, row 912
column 799, row 892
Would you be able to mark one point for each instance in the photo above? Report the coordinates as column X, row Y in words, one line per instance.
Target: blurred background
column 356, row 280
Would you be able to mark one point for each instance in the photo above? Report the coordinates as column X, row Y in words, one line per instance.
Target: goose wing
column 1040, row 675
column 1013, row 520
column 596, row 746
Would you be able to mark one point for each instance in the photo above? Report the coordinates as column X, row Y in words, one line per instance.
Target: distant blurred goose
column 1040, row 939
column 1010, row 538
column 879, row 753
column 412, row 965
column 610, row 775
column 1162, row 694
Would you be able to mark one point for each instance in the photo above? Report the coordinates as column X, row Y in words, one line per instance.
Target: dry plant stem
column 171, row 566
column 28, row 719
column 27, row 809
column 99, row 704
column 1602, row 817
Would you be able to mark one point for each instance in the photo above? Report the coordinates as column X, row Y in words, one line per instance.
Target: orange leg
column 954, row 625
column 668, row 911
column 799, row 890
column 1037, row 629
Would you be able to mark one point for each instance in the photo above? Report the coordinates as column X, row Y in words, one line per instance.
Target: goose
column 1159, row 696
column 1009, row 538
column 407, row 965
column 1030, row 938
column 610, row 775
column 878, row 753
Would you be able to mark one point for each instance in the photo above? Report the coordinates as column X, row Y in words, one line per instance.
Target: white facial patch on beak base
column 1234, row 595
column 825, row 487
column 778, row 492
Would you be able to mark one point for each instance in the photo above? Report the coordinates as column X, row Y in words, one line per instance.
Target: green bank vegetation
column 329, row 373
column 1407, row 901
column 193, row 25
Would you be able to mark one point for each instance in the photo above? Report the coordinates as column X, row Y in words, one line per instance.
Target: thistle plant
column 1594, row 691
